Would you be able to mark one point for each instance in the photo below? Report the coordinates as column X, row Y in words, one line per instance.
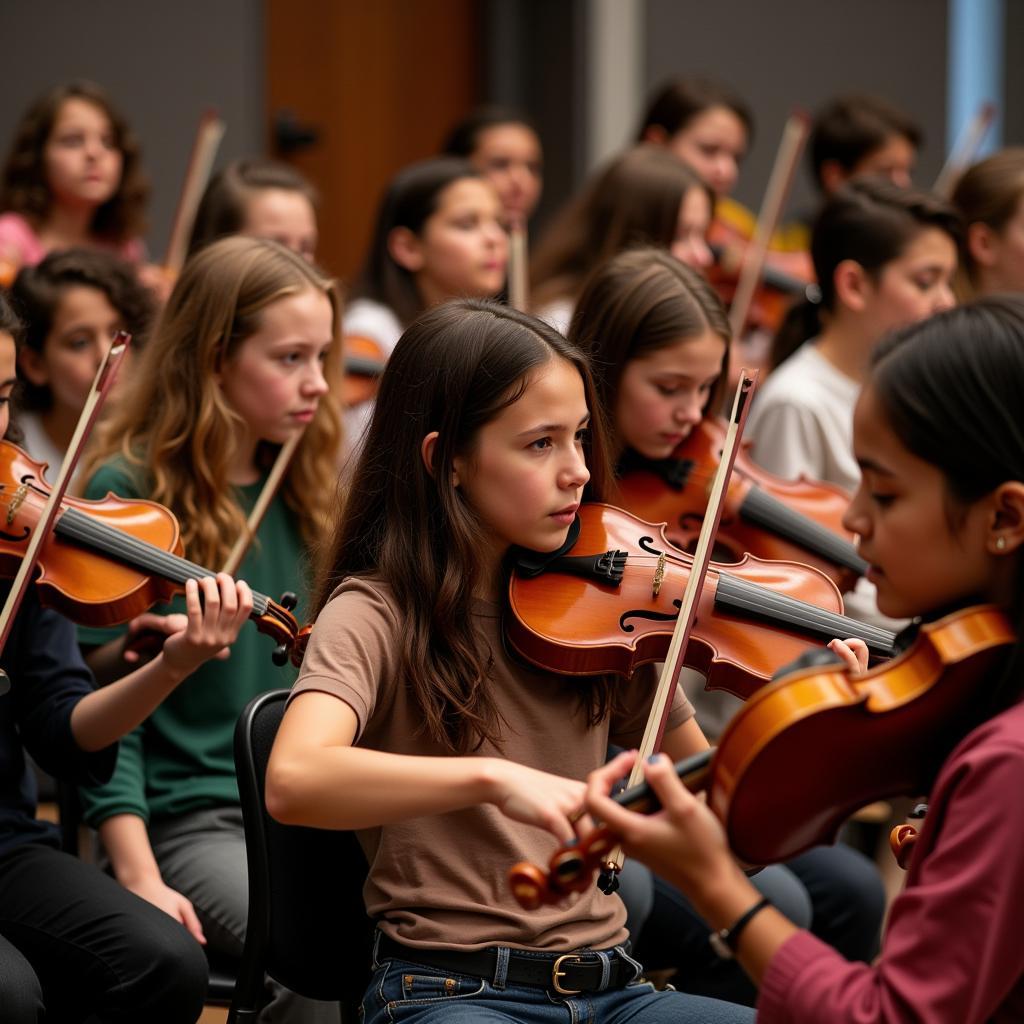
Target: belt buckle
column 556, row 974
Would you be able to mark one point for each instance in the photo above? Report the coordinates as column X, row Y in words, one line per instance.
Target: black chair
column 307, row 925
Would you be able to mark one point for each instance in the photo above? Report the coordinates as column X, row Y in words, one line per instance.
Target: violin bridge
column 16, row 503
column 659, row 575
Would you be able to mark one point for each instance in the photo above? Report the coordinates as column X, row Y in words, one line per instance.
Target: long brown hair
column 989, row 193
column 175, row 424
column 633, row 201
column 638, row 302
column 25, row 190
column 453, row 371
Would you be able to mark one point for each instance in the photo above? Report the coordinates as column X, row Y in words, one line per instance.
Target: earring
column 1000, row 543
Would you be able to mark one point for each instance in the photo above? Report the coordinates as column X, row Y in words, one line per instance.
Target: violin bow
column 794, row 136
column 98, row 393
column 200, row 166
column 259, row 510
column 518, row 267
column 961, row 156
column 673, row 664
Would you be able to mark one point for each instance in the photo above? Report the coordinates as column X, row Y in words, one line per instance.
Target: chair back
column 307, row 927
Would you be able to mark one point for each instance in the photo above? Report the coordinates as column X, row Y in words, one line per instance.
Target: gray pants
column 202, row 855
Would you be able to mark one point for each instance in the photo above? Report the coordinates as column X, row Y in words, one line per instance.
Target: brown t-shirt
column 440, row 880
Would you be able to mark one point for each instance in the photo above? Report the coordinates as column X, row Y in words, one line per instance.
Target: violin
column 364, row 363
column 108, row 561
column 848, row 740
column 764, row 515
column 607, row 601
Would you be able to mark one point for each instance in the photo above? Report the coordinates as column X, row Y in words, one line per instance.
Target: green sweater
column 181, row 758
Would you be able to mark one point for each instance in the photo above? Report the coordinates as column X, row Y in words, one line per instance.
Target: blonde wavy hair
column 177, row 427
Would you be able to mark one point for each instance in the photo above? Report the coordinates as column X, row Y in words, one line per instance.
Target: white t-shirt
column 367, row 318
column 801, row 422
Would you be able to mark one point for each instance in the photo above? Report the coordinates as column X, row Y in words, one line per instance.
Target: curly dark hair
column 37, row 291
column 24, row 187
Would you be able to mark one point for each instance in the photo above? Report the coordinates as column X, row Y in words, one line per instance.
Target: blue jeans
column 401, row 991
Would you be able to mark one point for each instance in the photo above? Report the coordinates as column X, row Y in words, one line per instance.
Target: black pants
column 74, row 941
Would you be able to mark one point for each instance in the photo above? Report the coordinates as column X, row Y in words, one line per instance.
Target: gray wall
column 785, row 53
column 164, row 64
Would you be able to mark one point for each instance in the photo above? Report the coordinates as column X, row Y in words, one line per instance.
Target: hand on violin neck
column 853, row 653
column 537, row 798
column 212, row 622
column 683, row 842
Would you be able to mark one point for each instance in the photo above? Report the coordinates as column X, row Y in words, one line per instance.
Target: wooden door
column 380, row 81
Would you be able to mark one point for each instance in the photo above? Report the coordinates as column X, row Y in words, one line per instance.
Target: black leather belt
column 567, row 973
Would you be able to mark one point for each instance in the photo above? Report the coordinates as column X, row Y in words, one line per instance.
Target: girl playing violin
column 438, row 236
column 643, row 197
column 73, row 302
column 73, row 943
column 658, row 339
column 244, row 356
column 940, row 513
column 411, row 723
column 262, row 199
column 72, row 178
column 990, row 198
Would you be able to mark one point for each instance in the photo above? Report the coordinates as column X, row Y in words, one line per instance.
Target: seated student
column 990, row 198
column 438, row 236
column 503, row 146
column 73, row 302
column 74, row 945
column 858, row 135
column 72, row 178
column 261, row 199
column 658, row 340
column 643, row 197
column 940, row 514
column 411, row 722
column 244, row 357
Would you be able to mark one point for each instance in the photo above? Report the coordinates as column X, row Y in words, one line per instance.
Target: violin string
column 136, row 552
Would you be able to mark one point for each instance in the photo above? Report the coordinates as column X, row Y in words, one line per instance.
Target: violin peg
column 280, row 655
column 568, row 870
column 608, row 882
column 289, row 601
column 529, row 885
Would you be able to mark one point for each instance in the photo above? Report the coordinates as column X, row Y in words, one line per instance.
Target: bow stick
column 101, row 386
column 259, row 510
column 961, row 156
column 518, row 267
column 662, row 705
column 794, row 135
column 197, row 176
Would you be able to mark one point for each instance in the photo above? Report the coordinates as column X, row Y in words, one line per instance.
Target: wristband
column 724, row 942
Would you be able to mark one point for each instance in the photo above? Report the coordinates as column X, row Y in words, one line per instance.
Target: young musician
column 73, row 943
column 262, row 199
column 411, row 723
column 884, row 257
column 940, row 514
column 658, row 340
column 505, row 149
column 643, row 197
column 245, row 356
column 990, row 198
column 72, row 178
column 72, row 302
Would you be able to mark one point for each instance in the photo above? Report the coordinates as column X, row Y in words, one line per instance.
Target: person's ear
column 851, row 284
column 405, row 249
column 1006, row 530
column 655, row 133
column 33, row 368
column 832, row 175
column 982, row 244
column 428, row 446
